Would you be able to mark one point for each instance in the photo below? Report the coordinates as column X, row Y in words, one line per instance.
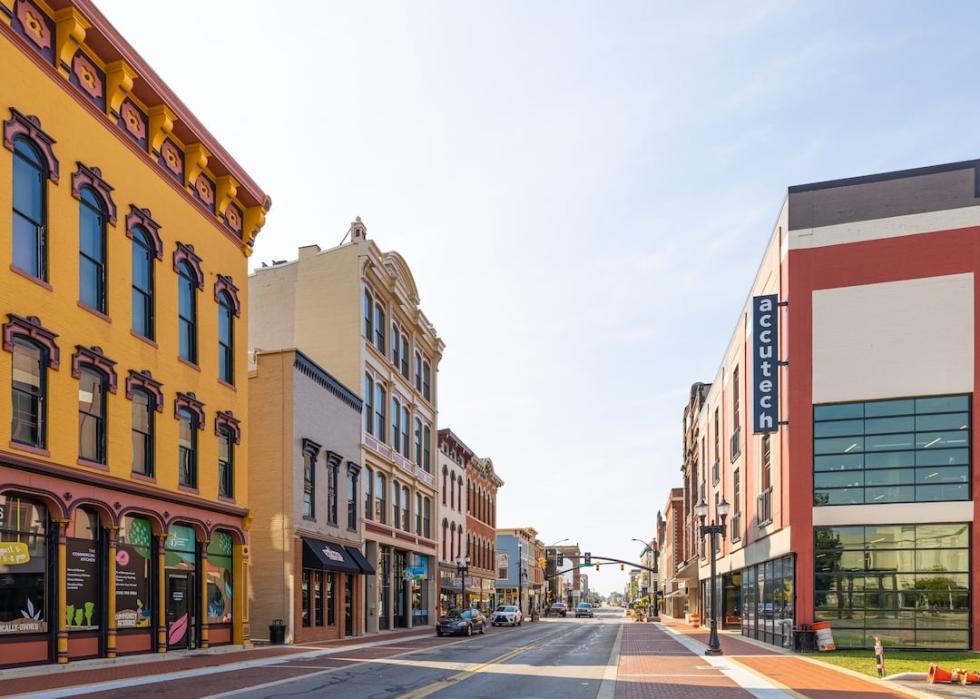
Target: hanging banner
column 765, row 364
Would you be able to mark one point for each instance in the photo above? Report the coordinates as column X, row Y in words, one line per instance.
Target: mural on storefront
column 23, row 556
column 133, row 552
column 219, row 579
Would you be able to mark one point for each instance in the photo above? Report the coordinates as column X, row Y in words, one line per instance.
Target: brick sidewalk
column 652, row 665
column 806, row 678
column 48, row 677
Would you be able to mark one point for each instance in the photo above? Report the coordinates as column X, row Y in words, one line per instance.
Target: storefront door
column 401, row 590
column 180, row 609
column 348, row 605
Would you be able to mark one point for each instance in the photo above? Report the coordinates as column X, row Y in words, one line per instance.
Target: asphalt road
column 565, row 658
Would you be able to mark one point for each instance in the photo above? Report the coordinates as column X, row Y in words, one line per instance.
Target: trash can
column 804, row 639
column 277, row 632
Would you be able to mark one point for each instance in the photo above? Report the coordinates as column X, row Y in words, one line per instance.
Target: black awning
column 327, row 556
column 360, row 560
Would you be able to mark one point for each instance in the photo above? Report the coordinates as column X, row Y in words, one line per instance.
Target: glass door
column 348, row 605
column 180, row 610
column 384, row 615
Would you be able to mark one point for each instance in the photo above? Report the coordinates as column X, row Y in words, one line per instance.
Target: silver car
column 506, row 614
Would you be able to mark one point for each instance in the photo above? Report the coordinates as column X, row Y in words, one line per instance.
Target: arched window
column 452, row 540
column 404, row 355
column 427, row 518
column 91, row 251
column 418, row 442
column 187, row 448
column 30, row 210
column 380, row 504
column 91, row 416
column 29, row 391
column 187, row 311
column 380, row 399
column 406, row 447
column 143, row 252
column 368, row 492
column 445, row 484
column 445, row 538
column 427, row 450
column 396, row 432
column 459, row 505
column 143, row 408
column 418, row 372
column 368, row 404
column 368, row 316
column 379, row 327
column 452, row 492
column 226, row 338
column 406, row 526
column 226, row 463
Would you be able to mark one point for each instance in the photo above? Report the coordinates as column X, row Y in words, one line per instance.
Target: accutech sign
column 765, row 364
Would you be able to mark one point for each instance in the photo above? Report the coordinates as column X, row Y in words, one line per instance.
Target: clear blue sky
column 582, row 190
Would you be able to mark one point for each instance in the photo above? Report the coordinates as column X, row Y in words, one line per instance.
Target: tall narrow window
column 351, row 498
column 380, row 396
column 406, row 446
column 418, row 513
column 368, row 493
column 379, row 327
column 396, row 416
column 142, row 284
column 736, row 401
column 30, row 210
column 368, row 404
column 405, row 504
column 187, row 448
column 226, row 338
column 91, row 416
column 418, row 441
column 396, row 503
column 368, row 316
column 418, row 372
column 445, row 483
column 226, row 464
column 427, row 450
column 309, row 485
column 187, row 312
column 766, row 463
column 427, row 518
column 395, row 346
column 332, row 494
column 381, row 498
column 452, row 491
column 143, row 406
column 404, row 355
column 91, row 251
column 29, row 391
column 426, row 380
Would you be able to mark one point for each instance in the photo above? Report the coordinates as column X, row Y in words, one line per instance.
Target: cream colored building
column 354, row 310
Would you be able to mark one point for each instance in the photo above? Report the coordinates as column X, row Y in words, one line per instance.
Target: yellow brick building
column 124, row 236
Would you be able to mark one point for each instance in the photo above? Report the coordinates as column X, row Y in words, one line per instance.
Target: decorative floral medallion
column 133, row 120
column 233, row 218
column 205, row 191
column 35, row 27
column 87, row 76
column 172, row 159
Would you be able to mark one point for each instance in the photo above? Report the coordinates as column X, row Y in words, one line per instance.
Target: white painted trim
column 893, row 513
column 880, row 228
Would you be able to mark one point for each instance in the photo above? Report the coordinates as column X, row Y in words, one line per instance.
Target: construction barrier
column 825, row 637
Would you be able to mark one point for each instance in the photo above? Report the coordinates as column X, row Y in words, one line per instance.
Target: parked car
column 583, row 609
column 558, row 609
column 462, row 622
column 506, row 614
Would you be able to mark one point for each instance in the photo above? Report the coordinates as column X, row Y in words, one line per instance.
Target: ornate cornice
column 224, row 284
column 185, row 253
column 144, row 380
column 29, row 127
column 226, row 420
column 94, row 357
column 333, row 459
column 31, row 329
column 144, row 219
column 91, row 177
column 311, row 448
column 190, row 402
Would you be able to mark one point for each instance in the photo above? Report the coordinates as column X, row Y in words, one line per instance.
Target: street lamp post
column 520, row 579
column 462, row 567
column 652, row 547
column 714, row 529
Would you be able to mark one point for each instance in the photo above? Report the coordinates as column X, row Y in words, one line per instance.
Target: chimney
column 358, row 231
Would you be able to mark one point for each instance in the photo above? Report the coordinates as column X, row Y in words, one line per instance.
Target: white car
column 506, row 614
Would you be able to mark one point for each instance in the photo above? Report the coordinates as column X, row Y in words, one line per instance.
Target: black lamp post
column 714, row 529
column 652, row 547
column 462, row 567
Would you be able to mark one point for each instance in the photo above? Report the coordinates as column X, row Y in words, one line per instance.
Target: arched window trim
column 226, row 420
column 29, row 128
column 225, row 285
column 144, row 380
column 142, row 218
column 30, row 328
column 94, row 358
column 185, row 253
column 191, row 403
column 91, row 177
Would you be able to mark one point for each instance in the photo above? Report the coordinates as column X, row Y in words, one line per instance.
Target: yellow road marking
column 460, row 676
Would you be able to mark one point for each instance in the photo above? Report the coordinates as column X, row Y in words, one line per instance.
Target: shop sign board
column 765, row 364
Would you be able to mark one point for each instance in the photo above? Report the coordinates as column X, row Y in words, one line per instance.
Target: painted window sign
column 220, row 581
column 82, row 583
column 23, row 553
column 765, row 364
column 133, row 555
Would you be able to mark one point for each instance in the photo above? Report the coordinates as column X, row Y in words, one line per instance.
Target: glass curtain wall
column 907, row 584
column 768, row 598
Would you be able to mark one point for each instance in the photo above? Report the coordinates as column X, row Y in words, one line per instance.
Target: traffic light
column 561, row 559
column 588, row 558
column 597, row 567
column 622, row 567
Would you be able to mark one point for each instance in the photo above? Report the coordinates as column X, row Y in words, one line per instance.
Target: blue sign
column 765, row 364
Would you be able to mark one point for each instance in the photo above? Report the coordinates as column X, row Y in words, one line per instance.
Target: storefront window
column 384, row 587
column 318, row 597
column 307, row 575
column 331, row 598
column 907, row 584
column 133, row 578
column 83, row 593
column 767, row 596
column 23, row 566
column 420, row 589
column 219, row 572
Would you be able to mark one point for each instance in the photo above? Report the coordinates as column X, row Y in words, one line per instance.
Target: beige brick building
column 354, row 310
